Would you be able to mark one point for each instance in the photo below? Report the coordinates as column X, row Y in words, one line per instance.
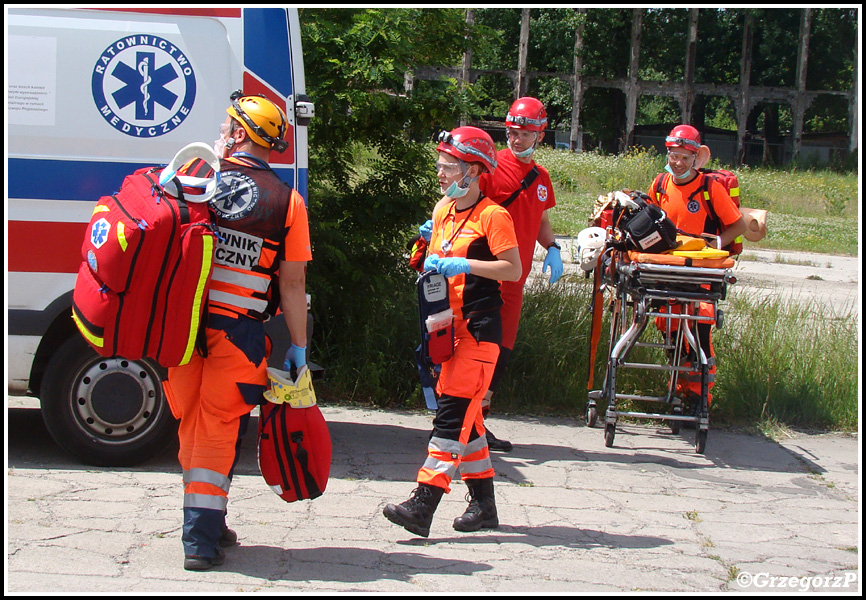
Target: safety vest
column 256, row 213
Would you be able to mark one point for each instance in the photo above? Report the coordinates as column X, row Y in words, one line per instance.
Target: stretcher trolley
column 665, row 292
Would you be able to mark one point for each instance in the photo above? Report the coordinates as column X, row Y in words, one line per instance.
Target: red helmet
column 527, row 113
column 469, row 144
column 684, row 136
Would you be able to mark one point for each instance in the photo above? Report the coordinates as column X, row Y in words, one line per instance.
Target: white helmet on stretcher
column 590, row 244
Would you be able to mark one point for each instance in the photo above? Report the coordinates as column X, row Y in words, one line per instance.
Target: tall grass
column 808, row 210
column 777, row 360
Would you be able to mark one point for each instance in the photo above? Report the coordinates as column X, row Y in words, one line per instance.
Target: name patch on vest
column 236, row 249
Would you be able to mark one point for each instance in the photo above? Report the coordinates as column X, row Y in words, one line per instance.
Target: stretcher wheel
column 609, row 433
column 701, row 441
column 675, row 425
column 591, row 415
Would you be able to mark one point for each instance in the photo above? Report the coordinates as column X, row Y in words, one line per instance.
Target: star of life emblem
column 99, row 233
column 143, row 85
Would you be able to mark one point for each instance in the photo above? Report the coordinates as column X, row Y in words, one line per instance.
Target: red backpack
column 142, row 286
column 714, row 224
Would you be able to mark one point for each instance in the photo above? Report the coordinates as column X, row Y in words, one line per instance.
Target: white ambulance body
column 93, row 95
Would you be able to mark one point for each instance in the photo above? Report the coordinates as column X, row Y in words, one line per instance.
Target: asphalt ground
column 751, row 515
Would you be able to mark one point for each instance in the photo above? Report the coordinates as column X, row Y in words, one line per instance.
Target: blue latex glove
column 296, row 357
column 431, row 262
column 554, row 261
column 426, row 230
column 452, row 266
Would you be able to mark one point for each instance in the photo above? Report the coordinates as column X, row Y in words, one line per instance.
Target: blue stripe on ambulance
column 265, row 31
column 89, row 180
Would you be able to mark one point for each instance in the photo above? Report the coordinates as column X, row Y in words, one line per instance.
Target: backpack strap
column 713, row 220
column 527, row 181
column 660, row 186
column 303, row 457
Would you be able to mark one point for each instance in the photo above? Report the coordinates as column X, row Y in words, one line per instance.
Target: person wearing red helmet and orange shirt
column 474, row 246
column 524, row 188
column 689, row 202
column 259, row 265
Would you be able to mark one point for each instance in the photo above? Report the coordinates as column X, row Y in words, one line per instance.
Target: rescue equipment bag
column 645, row 227
column 147, row 258
column 293, row 443
column 436, row 318
column 713, row 224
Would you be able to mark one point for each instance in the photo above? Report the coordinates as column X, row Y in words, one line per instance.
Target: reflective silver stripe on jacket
column 244, row 280
column 235, row 300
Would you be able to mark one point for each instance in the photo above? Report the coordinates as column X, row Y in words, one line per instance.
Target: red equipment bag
column 142, row 287
column 294, row 448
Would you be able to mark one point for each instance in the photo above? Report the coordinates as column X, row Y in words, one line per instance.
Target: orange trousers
column 459, row 443
column 212, row 397
column 691, row 381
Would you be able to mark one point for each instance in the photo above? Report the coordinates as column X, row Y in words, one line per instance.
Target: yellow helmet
column 264, row 121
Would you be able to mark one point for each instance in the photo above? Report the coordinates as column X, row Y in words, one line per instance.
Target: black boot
column 416, row 514
column 495, row 444
column 481, row 512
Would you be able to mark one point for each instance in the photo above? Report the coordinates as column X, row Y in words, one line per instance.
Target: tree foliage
column 371, row 181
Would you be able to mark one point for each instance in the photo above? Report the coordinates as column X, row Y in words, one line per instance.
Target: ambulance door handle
column 305, row 110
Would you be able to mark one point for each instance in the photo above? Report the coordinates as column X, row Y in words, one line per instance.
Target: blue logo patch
column 99, row 232
column 91, row 261
column 143, row 86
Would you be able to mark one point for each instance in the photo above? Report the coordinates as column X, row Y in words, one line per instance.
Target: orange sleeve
column 499, row 229
column 297, row 241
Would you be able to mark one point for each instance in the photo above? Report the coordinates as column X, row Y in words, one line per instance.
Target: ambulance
column 93, row 95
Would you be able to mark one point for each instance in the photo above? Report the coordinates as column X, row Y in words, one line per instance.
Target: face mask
column 675, row 176
column 221, row 145
column 524, row 154
column 456, row 191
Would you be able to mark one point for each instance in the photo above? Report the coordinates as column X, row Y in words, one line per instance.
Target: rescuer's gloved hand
column 554, row 262
column 431, row 261
column 452, row 266
column 296, row 356
column 426, row 230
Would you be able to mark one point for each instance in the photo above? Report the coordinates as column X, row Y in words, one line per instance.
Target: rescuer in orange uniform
column 259, row 266
column 473, row 244
column 524, row 188
column 685, row 203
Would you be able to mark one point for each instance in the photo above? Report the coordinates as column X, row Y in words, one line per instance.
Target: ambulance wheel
column 105, row 411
